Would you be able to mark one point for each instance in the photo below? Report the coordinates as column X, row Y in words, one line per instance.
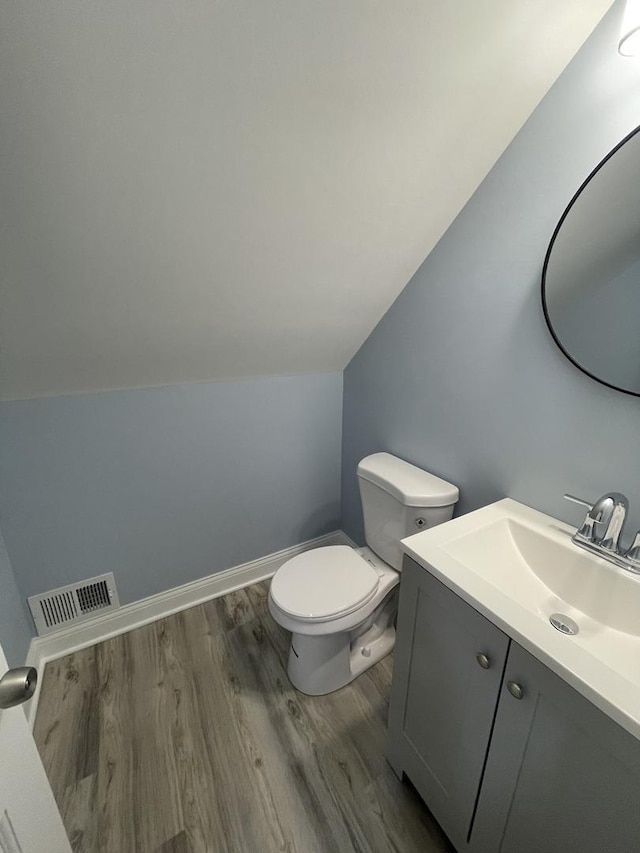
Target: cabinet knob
column 516, row 691
column 483, row 660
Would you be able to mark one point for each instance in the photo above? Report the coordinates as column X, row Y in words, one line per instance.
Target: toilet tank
column 399, row 499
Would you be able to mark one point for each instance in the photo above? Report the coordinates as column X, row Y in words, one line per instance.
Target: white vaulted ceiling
column 213, row 189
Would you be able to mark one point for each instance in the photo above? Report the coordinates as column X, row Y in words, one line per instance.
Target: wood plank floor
column 185, row 736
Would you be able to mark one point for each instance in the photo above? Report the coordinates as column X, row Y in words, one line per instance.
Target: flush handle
column 515, row 689
column 483, row 660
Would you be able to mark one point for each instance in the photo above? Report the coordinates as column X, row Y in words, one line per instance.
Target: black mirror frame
column 547, row 318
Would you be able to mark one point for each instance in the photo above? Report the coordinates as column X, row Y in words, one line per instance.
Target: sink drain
column 563, row 623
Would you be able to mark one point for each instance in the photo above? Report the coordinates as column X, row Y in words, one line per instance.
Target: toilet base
column 320, row 664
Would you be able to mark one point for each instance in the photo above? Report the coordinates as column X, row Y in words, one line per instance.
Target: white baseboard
column 130, row 616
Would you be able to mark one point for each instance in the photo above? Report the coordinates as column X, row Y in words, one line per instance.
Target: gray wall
column 166, row 485
column 461, row 375
column 15, row 624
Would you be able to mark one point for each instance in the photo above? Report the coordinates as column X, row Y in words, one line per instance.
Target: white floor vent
column 74, row 603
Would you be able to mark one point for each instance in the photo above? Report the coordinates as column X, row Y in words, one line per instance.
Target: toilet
column 339, row 602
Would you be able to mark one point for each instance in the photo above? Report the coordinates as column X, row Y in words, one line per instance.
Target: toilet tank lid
column 410, row 485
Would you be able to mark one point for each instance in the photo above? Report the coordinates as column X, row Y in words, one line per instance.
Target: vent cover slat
column 71, row 605
column 74, row 603
column 56, row 610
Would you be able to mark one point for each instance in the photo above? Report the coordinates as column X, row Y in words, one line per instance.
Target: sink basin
column 543, row 564
column 519, row 567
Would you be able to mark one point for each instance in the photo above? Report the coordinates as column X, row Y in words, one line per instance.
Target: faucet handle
column 580, row 501
column 633, row 553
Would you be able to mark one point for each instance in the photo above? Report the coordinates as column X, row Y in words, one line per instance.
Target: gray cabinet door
column 560, row 776
column 443, row 701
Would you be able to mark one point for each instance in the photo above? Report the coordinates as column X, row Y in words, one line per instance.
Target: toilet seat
column 324, row 584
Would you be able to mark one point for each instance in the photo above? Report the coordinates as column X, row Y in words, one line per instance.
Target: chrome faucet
column 616, row 521
column 601, row 530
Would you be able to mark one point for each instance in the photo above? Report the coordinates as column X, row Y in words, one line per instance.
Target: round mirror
column 591, row 274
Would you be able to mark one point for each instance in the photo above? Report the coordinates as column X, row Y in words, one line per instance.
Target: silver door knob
column 516, row 691
column 483, row 660
column 17, row 685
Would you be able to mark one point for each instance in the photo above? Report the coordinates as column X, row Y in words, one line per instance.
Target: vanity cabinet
column 508, row 757
column 443, row 697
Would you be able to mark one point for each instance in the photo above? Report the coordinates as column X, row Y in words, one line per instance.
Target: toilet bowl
column 340, row 602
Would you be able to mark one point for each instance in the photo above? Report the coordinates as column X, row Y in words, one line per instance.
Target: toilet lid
column 324, row 583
